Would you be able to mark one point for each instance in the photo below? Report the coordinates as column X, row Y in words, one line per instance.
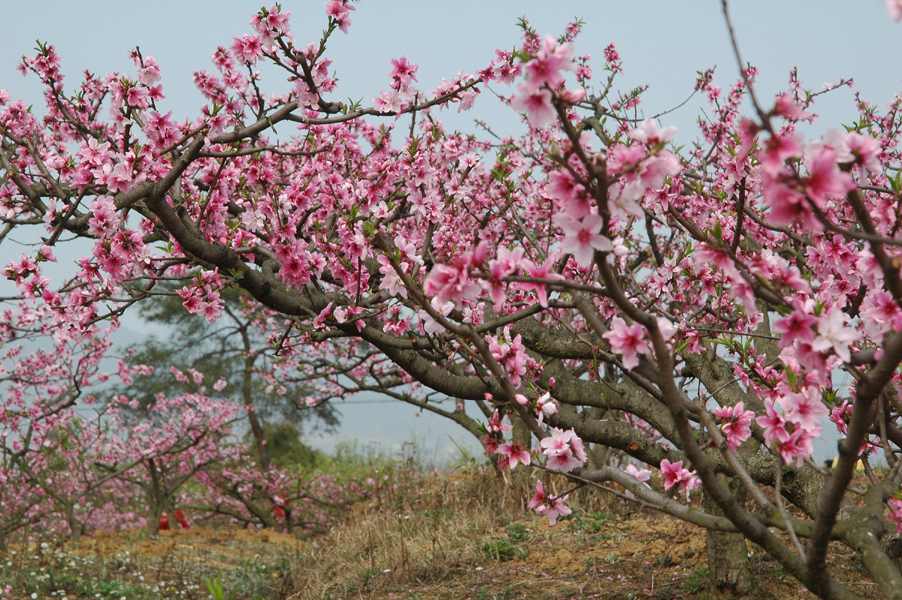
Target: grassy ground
column 455, row 535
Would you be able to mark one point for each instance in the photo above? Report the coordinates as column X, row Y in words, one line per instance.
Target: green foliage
column 518, row 532
column 352, row 460
column 216, row 590
column 594, row 522
column 283, row 440
column 697, row 581
column 503, row 550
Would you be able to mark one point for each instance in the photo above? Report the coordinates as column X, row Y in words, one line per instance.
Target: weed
column 594, row 522
column 216, row 589
column 697, row 580
column 503, row 550
column 518, row 532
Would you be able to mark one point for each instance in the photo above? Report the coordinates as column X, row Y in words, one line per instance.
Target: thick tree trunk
column 259, row 440
column 156, row 498
column 248, row 397
column 730, row 574
column 74, row 525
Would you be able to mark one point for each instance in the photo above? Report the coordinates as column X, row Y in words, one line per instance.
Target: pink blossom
column 391, row 280
column 507, row 262
column 787, row 205
column 496, row 425
column 833, row 334
column 338, row 10
column 675, row 475
column 545, row 68
column 805, row 409
column 403, row 71
column 736, row 426
column 447, row 283
column 552, row 507
column 510, row 354
column 797, row 326
column 773, row 424
column 511, row 454
column 641, row 475
column 786, row 107
column 320, row 321
column 557, row 508
column 564, row 449
column 825, row 179
column 536, row 104
column 612, row 58
column 543, row 271
column 648, row 133
column 628, row 341
column 796, row 448
column 864, row 149
column 539, row 497
column 247, row 49
column 894, row 8
column 840, row 416
column 777, row 150
column 582, row 237
column 545, row 406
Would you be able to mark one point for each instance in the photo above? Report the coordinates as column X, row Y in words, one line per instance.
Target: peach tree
column 707, row 311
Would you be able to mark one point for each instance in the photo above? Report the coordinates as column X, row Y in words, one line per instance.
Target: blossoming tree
column 696, row 310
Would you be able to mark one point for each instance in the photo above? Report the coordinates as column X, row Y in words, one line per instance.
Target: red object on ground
column 180, row 518
column 164, row 522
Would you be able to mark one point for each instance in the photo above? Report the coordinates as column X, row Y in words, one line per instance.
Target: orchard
column 705, row 311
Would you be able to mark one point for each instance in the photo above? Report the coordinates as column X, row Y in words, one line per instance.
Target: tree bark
column 730, row 574
column 248, row 397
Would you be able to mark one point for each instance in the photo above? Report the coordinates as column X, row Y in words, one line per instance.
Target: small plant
column 518, row 532
column 697, row 580
column 503, row 550
column 216, row 590
column 592, row 523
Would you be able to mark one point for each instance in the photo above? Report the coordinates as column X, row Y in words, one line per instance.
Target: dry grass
column 458, row 535
column 426, row 531
column 461, row 535
column 470, row 535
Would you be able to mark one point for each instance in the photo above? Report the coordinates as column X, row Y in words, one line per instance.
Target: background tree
column 226, row 357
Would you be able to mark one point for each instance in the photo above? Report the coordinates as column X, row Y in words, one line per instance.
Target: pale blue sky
column 662, row 44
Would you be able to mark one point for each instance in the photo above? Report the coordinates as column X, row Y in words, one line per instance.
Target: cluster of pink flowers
column 737, row 424
column 564, row 450
column 677, row 476
column 792, row 432
column 510, row 354
column 543, row 77
column 551, row 506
